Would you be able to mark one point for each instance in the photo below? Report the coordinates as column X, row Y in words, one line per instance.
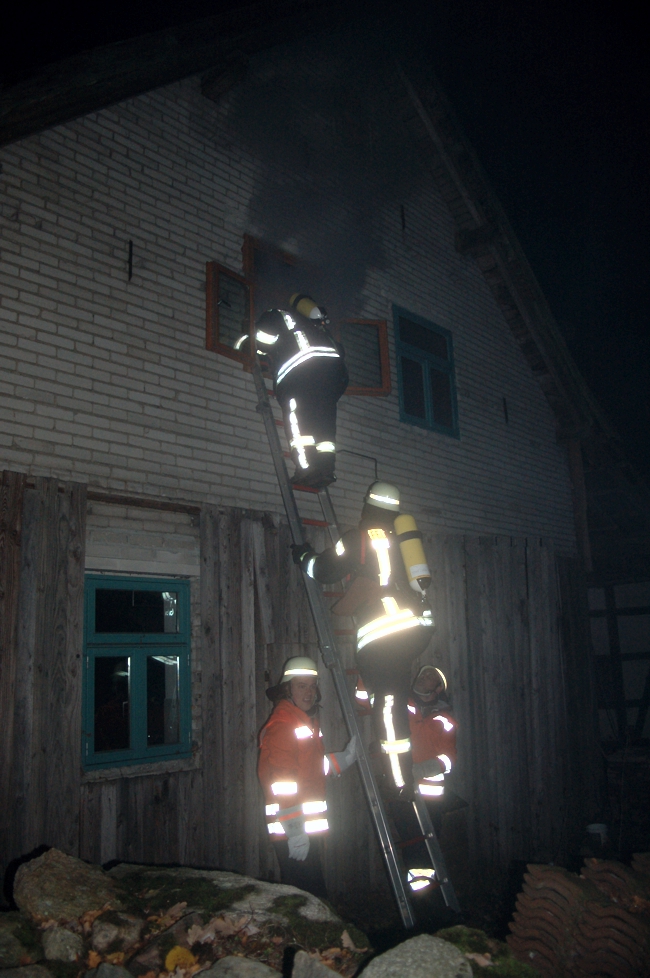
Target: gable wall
column 107, row 381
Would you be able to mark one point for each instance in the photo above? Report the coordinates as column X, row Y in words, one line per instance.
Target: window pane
column 361, row 344
column 423, row 338
column 162, row 700
column 148, row 612
column 441, row 397
column 634, row 633
column 597, row 599
column 112, row 703
column 600, row 636
column 632, row 595
column 413, row 388
column 635, row 673
column 233, row 310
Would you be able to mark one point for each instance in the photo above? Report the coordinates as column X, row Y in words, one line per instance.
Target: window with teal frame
column 425, row 371
column 137, row 697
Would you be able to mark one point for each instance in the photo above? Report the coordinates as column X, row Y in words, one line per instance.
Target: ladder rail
column 435, row 853
column 327, row 644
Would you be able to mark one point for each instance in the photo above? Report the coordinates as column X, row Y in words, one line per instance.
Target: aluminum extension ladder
column 327, row 645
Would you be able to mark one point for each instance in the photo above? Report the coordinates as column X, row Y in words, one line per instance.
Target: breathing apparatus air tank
column 410, row 544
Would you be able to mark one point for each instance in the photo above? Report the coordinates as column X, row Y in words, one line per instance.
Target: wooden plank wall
column 43, row 769
column 509, row 635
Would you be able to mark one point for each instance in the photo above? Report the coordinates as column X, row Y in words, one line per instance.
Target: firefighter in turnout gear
column 433, row 736
column 433, row 732
column 309, row 376
column 292, row 768
column 386, row 598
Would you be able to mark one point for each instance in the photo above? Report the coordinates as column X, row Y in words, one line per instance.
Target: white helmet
column 439, row 678
column 299, row 665
column 383, row 495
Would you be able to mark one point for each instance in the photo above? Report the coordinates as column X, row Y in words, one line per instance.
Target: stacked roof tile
column 596, row 925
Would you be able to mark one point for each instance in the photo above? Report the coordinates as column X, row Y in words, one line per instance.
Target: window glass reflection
column 162, row 700
column 112, row 703
column 135, row 612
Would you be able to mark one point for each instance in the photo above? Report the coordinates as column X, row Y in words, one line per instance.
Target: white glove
column 298, row 846
column 341, row 760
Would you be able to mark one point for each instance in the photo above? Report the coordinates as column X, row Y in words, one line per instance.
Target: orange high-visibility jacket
column 291, row 770
column 433, row 735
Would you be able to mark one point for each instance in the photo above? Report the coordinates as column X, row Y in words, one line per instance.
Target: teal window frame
column 137, row 647
column 428, row 362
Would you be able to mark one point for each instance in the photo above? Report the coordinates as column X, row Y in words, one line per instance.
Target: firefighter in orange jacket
column 433, row 740
column 433, row 732
column 292, row 769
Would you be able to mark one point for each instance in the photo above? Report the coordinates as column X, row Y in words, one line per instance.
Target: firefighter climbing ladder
column 327, row 644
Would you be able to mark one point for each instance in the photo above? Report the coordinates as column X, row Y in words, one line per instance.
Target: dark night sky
column 554, row 98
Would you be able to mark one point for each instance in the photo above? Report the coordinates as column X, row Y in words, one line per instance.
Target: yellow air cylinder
column 410, row 544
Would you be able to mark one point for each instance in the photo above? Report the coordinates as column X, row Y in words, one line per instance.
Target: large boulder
column 420, row 957
column 59, row 887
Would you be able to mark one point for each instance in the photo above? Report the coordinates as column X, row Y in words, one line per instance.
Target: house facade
column 145, row 558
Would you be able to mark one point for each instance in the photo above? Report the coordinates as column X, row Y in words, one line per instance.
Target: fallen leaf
column 94, row 959
column 179, row 957
column 274, row 940
column 116, row 958
column 25, row 960
column 483, row 960
column 149, row 974
column 90, row 916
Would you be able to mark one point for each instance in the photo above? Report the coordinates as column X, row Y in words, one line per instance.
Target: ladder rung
column 279, row 423
column 305, row 489
column 345, row 631
column 333, row 594
column 307, row 522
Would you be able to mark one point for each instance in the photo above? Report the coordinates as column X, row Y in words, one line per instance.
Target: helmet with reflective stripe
column 425, row 672
column 305, row 305
column 299, row 665
column 383, row 495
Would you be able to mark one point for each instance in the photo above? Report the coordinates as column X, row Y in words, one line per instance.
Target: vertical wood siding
column 44, row 769
column 509, row 635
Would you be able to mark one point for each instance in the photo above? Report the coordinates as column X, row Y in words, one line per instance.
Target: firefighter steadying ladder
column 309, row 376
column 394, row 623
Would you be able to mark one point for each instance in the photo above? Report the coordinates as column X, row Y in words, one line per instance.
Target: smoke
column 336, row 159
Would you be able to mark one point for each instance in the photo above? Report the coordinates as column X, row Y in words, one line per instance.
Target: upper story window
column 270, row 277
column 136, row 671
column 425, row 367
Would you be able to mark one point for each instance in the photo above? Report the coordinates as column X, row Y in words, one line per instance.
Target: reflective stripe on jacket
column 433, row 740
column 291, row 770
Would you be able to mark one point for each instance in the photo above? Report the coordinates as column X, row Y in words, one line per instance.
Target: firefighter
column 309, row 376
column 433, row 732
column 292, row 769
column 386, row 598
column 433, row 736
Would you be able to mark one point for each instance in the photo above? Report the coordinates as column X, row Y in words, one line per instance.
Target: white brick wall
column 134, row 540
column 108, row 382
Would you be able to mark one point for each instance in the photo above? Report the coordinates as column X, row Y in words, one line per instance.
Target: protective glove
column 299, row 551
column 341, row 760
column 298, row 846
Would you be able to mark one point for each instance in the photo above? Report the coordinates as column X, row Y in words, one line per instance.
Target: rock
column 233, row 967
column 115, row 931
column 107, row 971
column 19, row 943
column 420, row 957
column 61, row 944
column 59, row 887
column 304, row 966
column 29, row 971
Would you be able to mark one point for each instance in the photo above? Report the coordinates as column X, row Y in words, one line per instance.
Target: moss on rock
column 469, row 940
column 157, row 892
column 312, row 933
